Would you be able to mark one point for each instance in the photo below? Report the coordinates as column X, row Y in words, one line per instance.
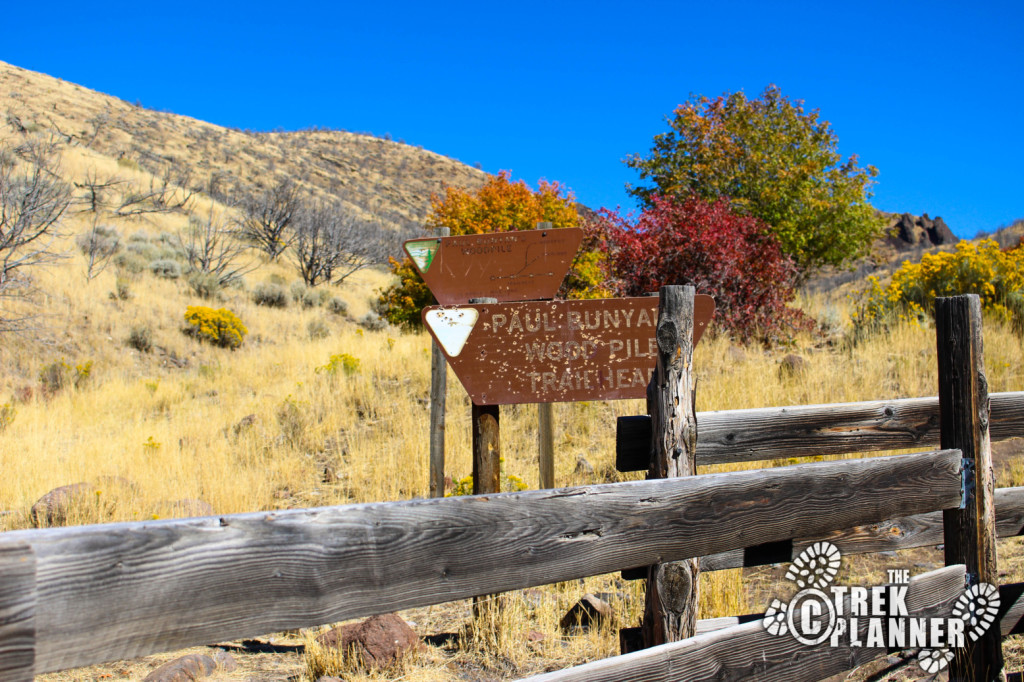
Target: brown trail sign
column 554, row 351
column 509, row 266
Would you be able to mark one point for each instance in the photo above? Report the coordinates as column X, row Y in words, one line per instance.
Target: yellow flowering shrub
column 221, row 327
column 58, row 375
column 340, row 362
column 510, row 483
column 981, row 268
column 7, row 413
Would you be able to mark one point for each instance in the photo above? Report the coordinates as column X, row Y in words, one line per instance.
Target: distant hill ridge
column 377, row 177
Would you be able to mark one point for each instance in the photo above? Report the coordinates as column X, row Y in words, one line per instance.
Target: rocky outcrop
column 913, row 232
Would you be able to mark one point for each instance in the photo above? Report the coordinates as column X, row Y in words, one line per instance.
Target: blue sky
column 932, row 93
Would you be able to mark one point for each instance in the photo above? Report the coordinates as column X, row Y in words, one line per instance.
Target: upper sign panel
column 527, row 265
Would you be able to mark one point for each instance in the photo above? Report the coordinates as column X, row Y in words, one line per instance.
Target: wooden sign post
column 546, row 444
column 486, row 440
column 512, row 266
column 438, row 396
column 545, row 432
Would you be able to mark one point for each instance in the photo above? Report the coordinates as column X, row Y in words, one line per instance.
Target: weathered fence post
column 546, row 444
column 670, row 613
column 438, row 396
column 486, row 441
column 969, row 533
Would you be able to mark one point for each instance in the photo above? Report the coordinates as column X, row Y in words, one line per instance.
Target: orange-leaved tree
column 500, row 205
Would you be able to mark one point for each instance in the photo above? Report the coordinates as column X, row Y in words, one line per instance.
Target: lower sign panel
column 554, row 351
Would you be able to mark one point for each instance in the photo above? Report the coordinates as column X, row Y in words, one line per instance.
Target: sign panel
column 554, row 351
column 509, row 266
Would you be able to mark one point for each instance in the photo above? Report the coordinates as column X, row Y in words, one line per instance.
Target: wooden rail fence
column 95, row 593
column 77, row 596
column 749, row 652
column 766, row 433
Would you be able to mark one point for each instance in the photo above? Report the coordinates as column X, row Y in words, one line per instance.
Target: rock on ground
column 53, row 508
column 791, row 366
column 379, row 641
column 588, row 612
column 192, row 667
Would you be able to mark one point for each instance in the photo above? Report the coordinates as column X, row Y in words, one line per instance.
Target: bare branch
column 367, row 243
column 96, row 189
column 99, row 245
column 32, row 201
column 213, row 249
column 14, row 121
column 267, row 218
column 98, row 123
column 331, row 243
column 167, row 194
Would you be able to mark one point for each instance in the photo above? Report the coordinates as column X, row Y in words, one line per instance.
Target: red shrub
column 732, row 257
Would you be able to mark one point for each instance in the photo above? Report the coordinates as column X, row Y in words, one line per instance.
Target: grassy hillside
column 387, row 179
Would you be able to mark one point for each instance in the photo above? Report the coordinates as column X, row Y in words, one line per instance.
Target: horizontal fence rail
column 749, row 651
column 731, row 436
column 921, row 530
column 83, row 595
column 837, row 429
column 841, row 428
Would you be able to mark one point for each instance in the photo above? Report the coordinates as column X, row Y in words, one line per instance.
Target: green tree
column 774, row 161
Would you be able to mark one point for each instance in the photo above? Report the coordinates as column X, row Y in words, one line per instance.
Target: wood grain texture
column 486, row 427
column 839, row 428
column 921, row 530
column 969, row 532
column 17, row 612
column 672, row 596
column 486, row 449
column 546, row 444
column 438, row 397
column 748, row 651
column 126, row 590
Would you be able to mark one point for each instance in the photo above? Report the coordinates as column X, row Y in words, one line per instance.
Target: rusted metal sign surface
column 509, row 266
column 554, row 351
